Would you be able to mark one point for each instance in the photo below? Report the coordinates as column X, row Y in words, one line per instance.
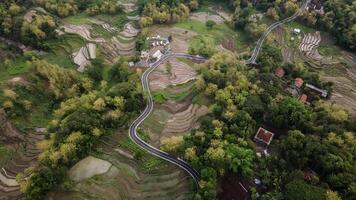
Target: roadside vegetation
column 205, row 113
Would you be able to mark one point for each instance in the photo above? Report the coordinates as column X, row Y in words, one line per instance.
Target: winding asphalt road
column 256, row 51
column 133, row 128
column 144, row 79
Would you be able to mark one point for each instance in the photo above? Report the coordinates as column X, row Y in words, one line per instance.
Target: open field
column 222, row 33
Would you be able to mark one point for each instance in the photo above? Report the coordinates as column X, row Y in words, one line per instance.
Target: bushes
column 202, row 45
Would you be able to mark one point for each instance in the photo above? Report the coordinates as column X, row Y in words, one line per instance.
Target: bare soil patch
column 175, row 107
column 178, row 73
column 184, row 121
column 181, row 37
column 18, row 81
column 89, row 167
column 82, row 30
column 24, row 154
column 204, row 17
column 222, row 12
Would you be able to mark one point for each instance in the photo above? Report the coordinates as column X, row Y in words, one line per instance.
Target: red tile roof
column 298, row 82
column 264, row 136
column 303, row 98
column 279, row 72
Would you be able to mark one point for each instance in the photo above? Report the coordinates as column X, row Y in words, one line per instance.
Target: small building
column 322, row 93
column 279, row 72
column 131, row 64
column 263, row 137
column 303, row 98
column 298, row 82
column 296, row 31
column 144, row 55
column 157, row 55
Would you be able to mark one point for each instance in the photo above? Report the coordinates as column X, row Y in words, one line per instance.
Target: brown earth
column 344, row 94
column 182, row 122
column 181, row 37
column 233, row 187
column 204, row 17
column 24, row 154
column 180, row 73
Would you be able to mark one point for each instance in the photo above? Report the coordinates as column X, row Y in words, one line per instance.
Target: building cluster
column 158, row 46
column 304, row 92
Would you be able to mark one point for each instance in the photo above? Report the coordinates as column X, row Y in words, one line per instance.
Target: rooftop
column 323, row 93
column 303, row 98
column 298, row 82
column 264, row 136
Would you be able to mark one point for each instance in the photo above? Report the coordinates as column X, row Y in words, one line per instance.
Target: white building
column 158, row 54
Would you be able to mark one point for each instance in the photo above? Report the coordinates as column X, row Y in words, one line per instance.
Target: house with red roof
column 298, row 82
column 263, row 137
column 303, row 98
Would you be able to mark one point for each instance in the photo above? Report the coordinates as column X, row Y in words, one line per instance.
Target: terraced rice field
column 344, row 93
column 179, row 73
column 127, row 180
column 112, row 43
column 184, row 121
column 24, row 154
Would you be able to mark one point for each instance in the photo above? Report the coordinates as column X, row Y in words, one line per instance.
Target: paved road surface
column 133, row 128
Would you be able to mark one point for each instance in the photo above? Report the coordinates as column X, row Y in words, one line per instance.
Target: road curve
column 256, row 50
column 138, row 121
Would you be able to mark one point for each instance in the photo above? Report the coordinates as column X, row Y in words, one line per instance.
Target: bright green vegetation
column 81, row 110
column 117, row 21
column 79, row 19
column 62, row 48
column 148, row 162
column 219, row 32
column 12, row 68
column 202, row 45
column 86, row 112
column 241, row 105
column 4, row 154
column 156, row 121
column 175, row 93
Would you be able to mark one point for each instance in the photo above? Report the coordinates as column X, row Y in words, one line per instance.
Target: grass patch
column 156, row 122
column 219, row 32
column 294, row 24
column 118, row 20
column 16, row 67
column 4, row 154
column 148, row 161
column 201, row 99
column 163, row 94
column 329, row 50
column 159, row 98
column 79, row 19
column 62, row 48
